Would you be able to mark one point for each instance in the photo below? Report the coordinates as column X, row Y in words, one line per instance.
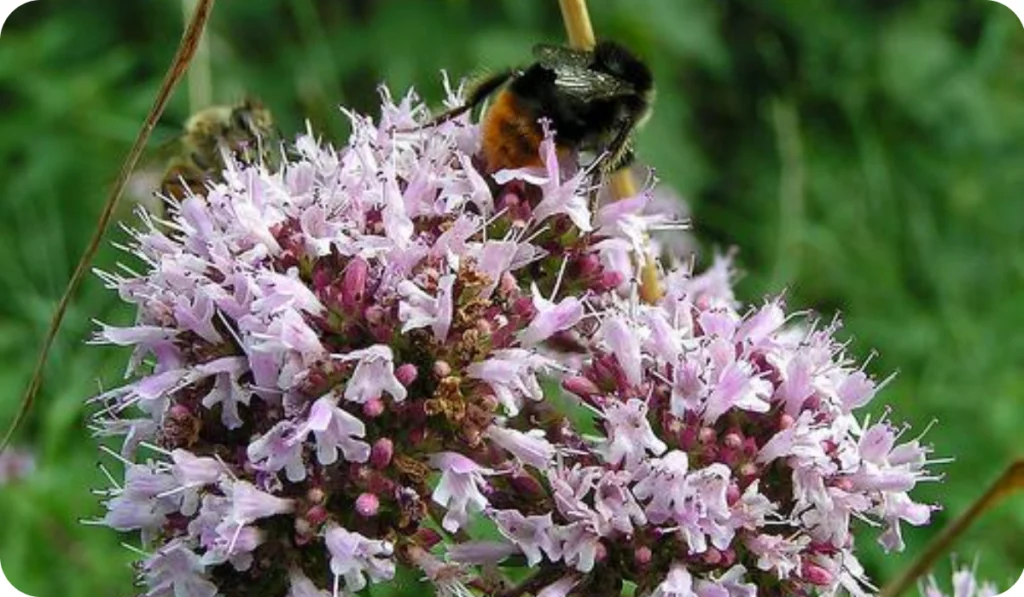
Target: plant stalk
column 581, row 36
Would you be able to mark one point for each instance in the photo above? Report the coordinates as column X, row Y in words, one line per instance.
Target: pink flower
column 561, row 587
column 192, row 471
column 279, row 448
column 374, row 375
column 630, row 436
column 355, row 558
column 558, row 197
column 418, row 309
column 624, row 342
column 512, row 375
column 678, row 583
column 459, row 488
column 551, row 318
column 249, row 504
column 175, row 571
column 529, row 448
column 300, row 585
column 531, row 534
column 336, row 429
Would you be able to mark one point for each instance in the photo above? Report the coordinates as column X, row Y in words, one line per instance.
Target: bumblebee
column 241, row 130
column 594, row 99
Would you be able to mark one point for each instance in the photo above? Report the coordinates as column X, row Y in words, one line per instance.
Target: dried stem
column 1010, row 481
column 581, row 35
column 175, row 72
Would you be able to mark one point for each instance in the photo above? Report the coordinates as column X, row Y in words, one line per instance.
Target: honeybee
column 188, row 162
column 595, row 100
column 241, row 130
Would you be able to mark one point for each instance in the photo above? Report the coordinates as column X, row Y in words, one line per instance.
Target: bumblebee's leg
column 478, row 92
column 619, row 153
column 622, row 158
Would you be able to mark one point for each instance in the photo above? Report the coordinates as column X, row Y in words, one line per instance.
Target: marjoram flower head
column 337, row 371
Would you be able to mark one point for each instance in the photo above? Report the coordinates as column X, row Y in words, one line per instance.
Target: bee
column 195, row 157
column 594, row 99
column 241, row 130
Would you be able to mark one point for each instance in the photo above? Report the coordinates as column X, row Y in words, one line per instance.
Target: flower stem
column 581, row 36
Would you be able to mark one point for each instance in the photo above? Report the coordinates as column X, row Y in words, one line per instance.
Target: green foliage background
column 866, row 155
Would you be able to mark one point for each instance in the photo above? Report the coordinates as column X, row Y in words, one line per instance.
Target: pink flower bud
column 406, row 374
column 643, row 555
column 179, row 412
column 712, row 556
column 316, row 495
column 442, row 369
column 786, row 421
column 816, row 575
column 589, row 264
column 381, row 452
column 732, row 493
column 427, row 538
column 610, row 280
column 353, row 286
column 373, row 408
column 707, row 435
column 581, row 386
column 728, row 558
column 316, row 515
column 367, row 505
column 527, row 485
column 733, row 440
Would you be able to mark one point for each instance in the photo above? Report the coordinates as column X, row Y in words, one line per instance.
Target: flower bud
column 815, row 574
column 589, row 264
column 712, row 556
column 442, row 369
column 643, row 556
column 528, row 486
column 367, row 505
column 316, row 515
column 353, row 286
column 581, row 386
column 381, row 453
column 373, row 408
column 406, row 374
column 316, row 495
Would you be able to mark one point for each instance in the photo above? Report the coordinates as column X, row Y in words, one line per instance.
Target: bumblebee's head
column 612, row 58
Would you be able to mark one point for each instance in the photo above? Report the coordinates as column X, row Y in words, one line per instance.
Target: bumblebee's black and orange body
column 593, row 99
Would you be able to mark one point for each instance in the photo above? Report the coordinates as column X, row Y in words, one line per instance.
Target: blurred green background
column 867, row 156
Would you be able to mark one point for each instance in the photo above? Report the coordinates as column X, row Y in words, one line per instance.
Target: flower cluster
column 337, row 369
column 726, row 454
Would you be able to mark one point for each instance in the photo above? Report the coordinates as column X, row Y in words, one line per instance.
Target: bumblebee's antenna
column 581, row 36
column 176, row 70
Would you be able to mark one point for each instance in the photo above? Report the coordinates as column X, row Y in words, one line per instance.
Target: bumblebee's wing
column 552, row 56
column 574, row 77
